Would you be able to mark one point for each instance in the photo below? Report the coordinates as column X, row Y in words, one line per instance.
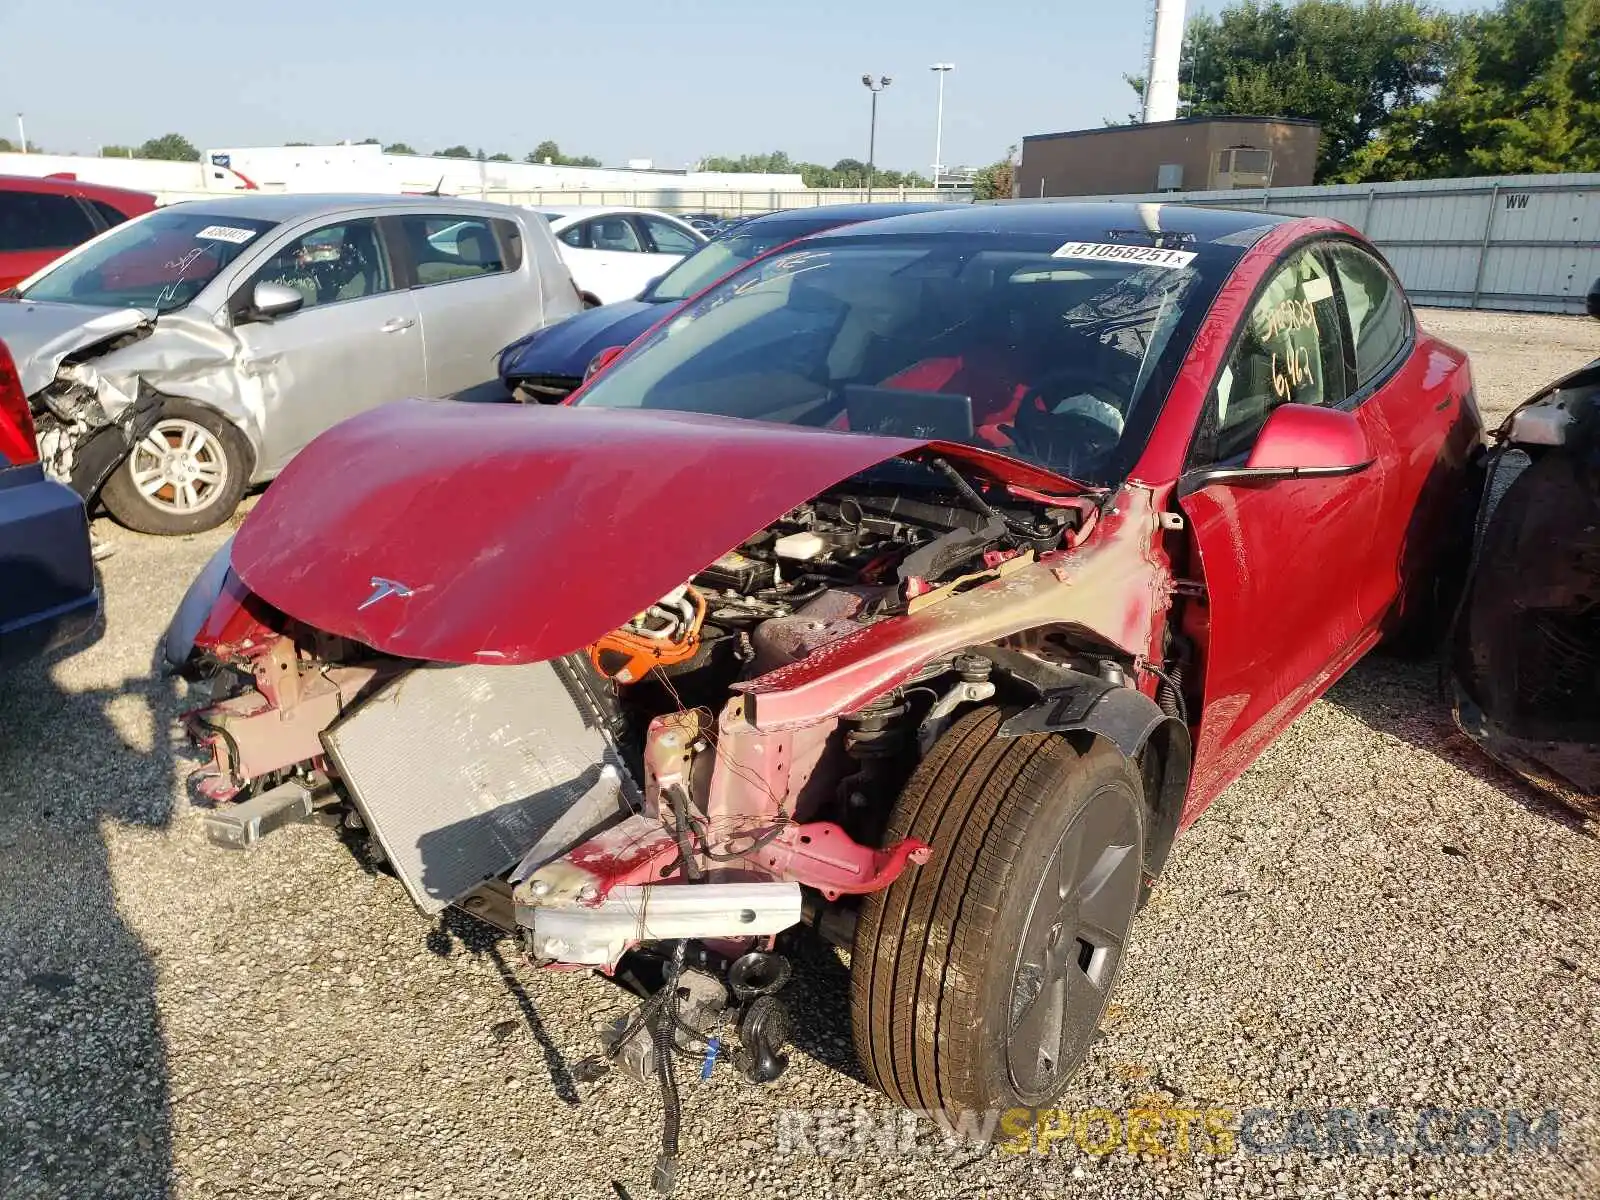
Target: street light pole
column 872, row 137
column 22, row 134
column 941, row 70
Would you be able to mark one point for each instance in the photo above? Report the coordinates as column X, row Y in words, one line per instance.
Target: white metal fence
column 1519, row 242
column 730, row 204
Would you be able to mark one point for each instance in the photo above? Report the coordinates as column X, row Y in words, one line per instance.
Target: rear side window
column 511, row 240
column 35, row 221
column 109, row 215
column 448, row 248
column 576, row 237
column 1379, row 322
column 1290, row 351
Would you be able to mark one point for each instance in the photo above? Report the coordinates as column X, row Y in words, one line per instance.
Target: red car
column 917, row 583
column 41, row 219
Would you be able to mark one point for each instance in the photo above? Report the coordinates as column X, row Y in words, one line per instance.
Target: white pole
column 22, row 134
column 1166, row 53
column 941, row 70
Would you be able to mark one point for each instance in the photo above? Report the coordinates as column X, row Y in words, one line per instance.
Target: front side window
column 37, row 221
column 331, row 264
column 1379, row 321
column 668, row 238
column 614, row 233
column 1290, row 351
column 992, row 339
column 448, row 248
column 158, row 261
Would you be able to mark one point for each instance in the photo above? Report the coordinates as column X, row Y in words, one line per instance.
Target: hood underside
column 479, row 533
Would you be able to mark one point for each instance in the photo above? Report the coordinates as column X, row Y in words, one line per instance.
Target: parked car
column 614, row 252
column 49, row 596
column 549, row 363
column 179, row 358
column 41, row 219
column 1524, row 654
column 917, row 583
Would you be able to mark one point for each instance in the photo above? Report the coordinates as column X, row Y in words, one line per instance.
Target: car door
column 36, row 228
column 1286, row 564
column 613, row 264
column 666, row 244
column 354, row 343
column 1422, row 397
column 474, row 289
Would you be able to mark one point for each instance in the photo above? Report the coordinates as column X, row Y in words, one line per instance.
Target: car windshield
column 1057, row 354
column 159, row 261
column 717, row 257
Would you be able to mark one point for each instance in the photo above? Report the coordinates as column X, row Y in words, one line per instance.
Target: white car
column 614, row 252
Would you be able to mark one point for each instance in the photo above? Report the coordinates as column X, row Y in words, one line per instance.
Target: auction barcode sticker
column 1144, row 256
column 225, row 233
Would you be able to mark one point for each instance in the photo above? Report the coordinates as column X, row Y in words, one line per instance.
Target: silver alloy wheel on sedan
column 180, row 466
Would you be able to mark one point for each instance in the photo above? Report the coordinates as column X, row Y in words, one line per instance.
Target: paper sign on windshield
column 1143, row 256
column 225, row 233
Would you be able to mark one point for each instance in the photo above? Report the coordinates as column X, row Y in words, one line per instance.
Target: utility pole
column 22, row 134
column 872, row 137
column 941, row 70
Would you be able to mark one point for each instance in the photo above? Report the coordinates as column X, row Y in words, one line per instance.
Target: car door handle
column 396, row 324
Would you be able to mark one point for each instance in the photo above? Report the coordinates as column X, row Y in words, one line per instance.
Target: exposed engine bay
column 647, row 768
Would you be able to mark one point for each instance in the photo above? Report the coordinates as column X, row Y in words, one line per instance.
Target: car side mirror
column 1298, row 441
column 269, row 300
column 1594, row 299
column 602, row 360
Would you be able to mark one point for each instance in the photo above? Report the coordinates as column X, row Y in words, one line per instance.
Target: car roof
column 284, row 206
column 68, row 187
column 1077, row 221
column 595, row 210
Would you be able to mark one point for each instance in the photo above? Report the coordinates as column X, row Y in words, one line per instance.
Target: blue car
column 548, row 365
column 47, row 587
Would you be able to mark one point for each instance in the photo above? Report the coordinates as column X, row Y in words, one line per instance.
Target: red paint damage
column 485, row 512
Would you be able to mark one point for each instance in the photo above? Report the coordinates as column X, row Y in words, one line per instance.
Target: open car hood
column 41, row 334
column 485, row 533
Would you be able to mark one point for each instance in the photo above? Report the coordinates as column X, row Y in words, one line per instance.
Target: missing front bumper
column 597, row 934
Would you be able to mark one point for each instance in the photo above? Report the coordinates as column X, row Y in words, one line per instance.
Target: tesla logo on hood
column 382, row 589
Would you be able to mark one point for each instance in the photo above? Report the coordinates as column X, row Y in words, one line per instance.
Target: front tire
column 978, row 982
column 186, row 475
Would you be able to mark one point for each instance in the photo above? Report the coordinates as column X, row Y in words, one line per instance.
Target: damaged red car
column 911, row 588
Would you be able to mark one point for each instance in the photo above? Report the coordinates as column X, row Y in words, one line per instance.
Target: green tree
column 500, row 158
column 1349, row 66
column 548, row 151
column 173, row 147
column 455, row 152
column 398, row 148
column 6, row 147
column 369, row 142
column 1522, row 94
column 997, row 180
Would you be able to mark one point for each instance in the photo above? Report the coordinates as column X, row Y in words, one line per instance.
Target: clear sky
column 670, row 80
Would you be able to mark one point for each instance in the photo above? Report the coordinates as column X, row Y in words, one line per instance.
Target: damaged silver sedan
column 176, row 360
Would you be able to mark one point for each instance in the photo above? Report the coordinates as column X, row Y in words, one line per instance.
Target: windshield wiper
column 982, row 507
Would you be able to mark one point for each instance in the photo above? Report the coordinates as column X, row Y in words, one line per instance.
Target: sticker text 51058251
column 1143, row 256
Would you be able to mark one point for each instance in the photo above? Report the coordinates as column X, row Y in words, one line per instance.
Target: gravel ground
column 1372, row 916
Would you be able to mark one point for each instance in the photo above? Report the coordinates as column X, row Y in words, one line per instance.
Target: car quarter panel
column 49, row 595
